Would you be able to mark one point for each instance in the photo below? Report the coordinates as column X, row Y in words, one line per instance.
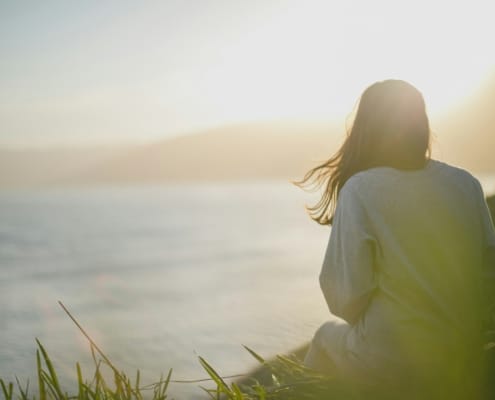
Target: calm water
column 158, row 275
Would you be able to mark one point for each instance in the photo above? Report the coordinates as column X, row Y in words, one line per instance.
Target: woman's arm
column 488, row 245
column 347, row 278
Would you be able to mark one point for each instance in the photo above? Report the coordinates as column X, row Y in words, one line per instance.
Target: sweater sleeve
column 488, row 240
column 347, row 278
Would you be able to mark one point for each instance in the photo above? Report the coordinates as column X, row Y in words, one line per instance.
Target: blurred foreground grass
column 283, row 378
column 289, row 380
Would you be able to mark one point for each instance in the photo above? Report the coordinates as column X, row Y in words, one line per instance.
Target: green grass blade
column 23, row 393
column 7, row 389
column 53, row 375
column 138, row 379
column 222, row 386
column 81, row 395
column 161, row 388
column 237, row 392
column 49, row 385
column 41, row 381
column 255, row 355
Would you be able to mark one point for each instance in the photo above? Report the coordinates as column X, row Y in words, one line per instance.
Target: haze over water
column 158, row 275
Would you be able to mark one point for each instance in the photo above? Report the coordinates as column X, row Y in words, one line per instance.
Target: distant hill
column 28, row 168
column 268, row 150
column 259, row 150
column 248, row 151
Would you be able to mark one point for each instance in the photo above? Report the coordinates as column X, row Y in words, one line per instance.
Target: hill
column 268, row 150
column 258, row 150
column 273, row 150
column 36, row 167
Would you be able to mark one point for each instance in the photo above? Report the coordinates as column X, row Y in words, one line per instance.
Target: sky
column 90, row 72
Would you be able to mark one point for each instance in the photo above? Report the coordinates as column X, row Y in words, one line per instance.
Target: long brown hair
column 390, row 129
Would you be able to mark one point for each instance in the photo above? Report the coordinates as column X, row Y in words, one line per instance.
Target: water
column 158, row 275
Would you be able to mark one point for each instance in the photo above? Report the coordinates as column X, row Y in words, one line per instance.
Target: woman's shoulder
column 382, row 178
column 456, row 173
column 452, row 169
column 432, row 167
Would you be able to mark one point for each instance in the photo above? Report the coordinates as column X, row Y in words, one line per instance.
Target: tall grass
column 285, row 378
column 97, row 388
column 289, row 380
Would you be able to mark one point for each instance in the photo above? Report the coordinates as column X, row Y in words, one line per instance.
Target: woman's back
column 404, row 267
column 429, row 230
column 411, row 243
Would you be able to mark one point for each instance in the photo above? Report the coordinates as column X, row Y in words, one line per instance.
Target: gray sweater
column 406, row 267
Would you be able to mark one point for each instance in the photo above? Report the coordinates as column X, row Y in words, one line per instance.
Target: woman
column 405, row 267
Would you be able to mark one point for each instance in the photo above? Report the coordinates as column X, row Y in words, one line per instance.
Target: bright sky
column 83, row 72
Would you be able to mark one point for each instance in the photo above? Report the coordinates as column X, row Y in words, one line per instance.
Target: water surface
column 158, row 275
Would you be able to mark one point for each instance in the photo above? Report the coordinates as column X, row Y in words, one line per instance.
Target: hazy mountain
column 270, row 150
column 26, row 168
column 247, row 151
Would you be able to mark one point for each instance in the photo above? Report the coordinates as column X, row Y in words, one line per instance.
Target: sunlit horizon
column 107, row 74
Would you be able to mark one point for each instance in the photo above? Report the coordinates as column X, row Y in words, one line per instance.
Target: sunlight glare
column 316, row 64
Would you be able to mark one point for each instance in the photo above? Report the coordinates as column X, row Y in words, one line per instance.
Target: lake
column 158, row 275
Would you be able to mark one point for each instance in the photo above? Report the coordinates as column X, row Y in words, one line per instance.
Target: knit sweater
column 406, row 268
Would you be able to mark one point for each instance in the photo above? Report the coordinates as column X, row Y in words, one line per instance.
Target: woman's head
column 390, row 128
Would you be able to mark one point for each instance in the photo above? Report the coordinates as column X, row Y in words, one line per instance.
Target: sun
column 314, row 62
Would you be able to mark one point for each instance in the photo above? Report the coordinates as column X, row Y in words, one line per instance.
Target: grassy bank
column 289, row 380
column 281, row 378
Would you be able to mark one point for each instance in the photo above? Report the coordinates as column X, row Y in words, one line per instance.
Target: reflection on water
column 158, row 275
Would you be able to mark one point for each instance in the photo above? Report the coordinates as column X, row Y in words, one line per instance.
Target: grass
column 284, row 378
column 290, row 380
column 98, row 388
